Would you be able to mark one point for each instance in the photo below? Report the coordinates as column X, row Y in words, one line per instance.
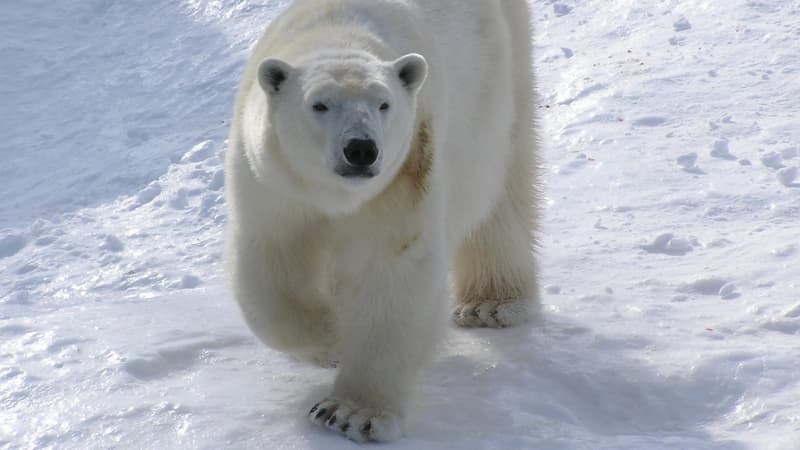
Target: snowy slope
column 670, row 246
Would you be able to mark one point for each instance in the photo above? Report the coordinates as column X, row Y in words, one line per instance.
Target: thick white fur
column 357, row 272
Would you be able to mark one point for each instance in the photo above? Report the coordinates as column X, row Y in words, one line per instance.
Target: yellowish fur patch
column 419, row 162
column 413, row 176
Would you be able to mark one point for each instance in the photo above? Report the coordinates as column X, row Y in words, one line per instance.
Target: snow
column 670, row 263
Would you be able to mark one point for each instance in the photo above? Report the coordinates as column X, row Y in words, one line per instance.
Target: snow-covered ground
column 671, row 239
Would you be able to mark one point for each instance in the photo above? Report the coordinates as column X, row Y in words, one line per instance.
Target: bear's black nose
column 361, row 153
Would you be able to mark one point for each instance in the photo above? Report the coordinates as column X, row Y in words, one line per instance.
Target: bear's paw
column 491, row 313
column 354, row 422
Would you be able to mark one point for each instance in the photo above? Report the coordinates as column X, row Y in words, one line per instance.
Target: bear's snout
column 360, row 156
column 361, row 153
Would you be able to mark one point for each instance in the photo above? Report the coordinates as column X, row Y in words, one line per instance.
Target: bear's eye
column 384, row 106
column 319, row 107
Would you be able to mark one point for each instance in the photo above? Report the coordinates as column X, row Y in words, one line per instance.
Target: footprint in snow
column 26, row 268
column 14, row 330
column 773, row 160
column 146, row 195
column 11, row 244
column 179, row 199
column 188, row 281
column 792, row 311
column 668, row 244
column 217, row 181
column 553, row 289
column 585, row 92
column 721, row 151
column 689, row 163
column 573, row 166
column 789, row 153
column 787, row 175
column 677, row 41
column 785, row 252
column 711, row 286
column 175, row 359
column 786, row 324
column 112, row 243
column 649, row 121
column 560, row 9
column 59, row 345
column 682, row 24
column 45, row 241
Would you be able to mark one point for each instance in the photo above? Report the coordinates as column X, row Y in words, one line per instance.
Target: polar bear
column 376, row 147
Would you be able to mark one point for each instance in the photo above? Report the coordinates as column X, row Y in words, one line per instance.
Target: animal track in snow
column 681, row 24
column 14, row 330
column 553, row 289
column 146, row 195
column 773, row 160
column 668, row 244
column 649, row 121
column 787, row 175
column 728, row 291
column 217, row 180
column 677, row 41
column 11, row 244
column 60, row 344
column 721, row 151
column 179, row 199
column 560, row 9
column 793, row 311
column 789, row 153
column 45, row 241
column 785, row 251
column 585, row 92
column 711, row 286
column 165, row 362
column 112, row 243
column 573, row 166
column 786, row 324
column 188, row 282
column 688, row 162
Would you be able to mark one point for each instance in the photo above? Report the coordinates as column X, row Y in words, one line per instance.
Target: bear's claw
column 355, row 423
column 491, row 313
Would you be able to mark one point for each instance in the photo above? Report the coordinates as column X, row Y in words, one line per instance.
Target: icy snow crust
column 669, row 244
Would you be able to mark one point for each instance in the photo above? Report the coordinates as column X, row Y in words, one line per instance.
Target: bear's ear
column 272, row 74
column 412, row 69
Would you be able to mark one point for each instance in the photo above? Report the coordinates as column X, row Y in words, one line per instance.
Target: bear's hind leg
column 495, row 271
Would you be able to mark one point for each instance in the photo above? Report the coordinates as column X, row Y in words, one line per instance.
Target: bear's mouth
column 354, row 172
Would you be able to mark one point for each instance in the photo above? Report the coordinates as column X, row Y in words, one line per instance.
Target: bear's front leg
column 390, row 321
column 274, row 284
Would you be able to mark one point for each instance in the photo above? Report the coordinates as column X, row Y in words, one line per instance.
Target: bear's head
column 341, row 122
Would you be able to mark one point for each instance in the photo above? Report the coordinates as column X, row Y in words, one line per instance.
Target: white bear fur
column 356, row 273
